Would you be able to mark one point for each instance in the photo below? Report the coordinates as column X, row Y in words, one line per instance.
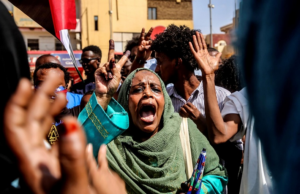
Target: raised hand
column 103, row 180
column 206, row 63
column 111, row 51
column 107, row 80
column 144, row 48
column 65, row 168
column 27, row 120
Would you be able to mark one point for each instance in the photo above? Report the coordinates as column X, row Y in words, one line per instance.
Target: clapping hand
column 206, row 63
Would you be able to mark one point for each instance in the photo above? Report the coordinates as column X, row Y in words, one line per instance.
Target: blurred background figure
column 268, row 39
column 228, row 75
column 14, row 63
column 90, row 61
column 46, row 59
column 72, row 98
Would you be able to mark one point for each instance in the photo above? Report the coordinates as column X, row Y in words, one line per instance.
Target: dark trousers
column 230, row 156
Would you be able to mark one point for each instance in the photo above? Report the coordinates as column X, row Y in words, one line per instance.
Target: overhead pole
column 110, row 19
column 210, row 6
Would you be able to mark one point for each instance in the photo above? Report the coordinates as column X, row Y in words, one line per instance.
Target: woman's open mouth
column 147, row 112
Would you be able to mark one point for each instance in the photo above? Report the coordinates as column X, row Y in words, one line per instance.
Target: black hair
column 49, row 66
column 132, row 43
column 174, row 42
column 228, row 75
column 212, row 50
column 95, row 49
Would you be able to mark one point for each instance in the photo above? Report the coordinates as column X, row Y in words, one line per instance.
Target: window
column 59, row 46
column 151, row 13
column 33, row 44
column 96, row 22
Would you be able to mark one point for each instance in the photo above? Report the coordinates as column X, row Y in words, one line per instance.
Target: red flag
column 63, row 15
column 53, row 15
column 56, row 16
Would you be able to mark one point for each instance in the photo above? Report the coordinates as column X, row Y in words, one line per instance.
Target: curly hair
column 132, row 43
column 95, row 49
column 49, row 66
column 174, row 42
column 228, row 75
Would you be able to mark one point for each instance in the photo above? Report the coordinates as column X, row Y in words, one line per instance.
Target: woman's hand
column 111, row 51
column 107, row 80
column 208, row 64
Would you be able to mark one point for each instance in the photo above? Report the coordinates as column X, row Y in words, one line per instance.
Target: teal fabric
column 213, row 184
column 157, row 164
column 102, row 127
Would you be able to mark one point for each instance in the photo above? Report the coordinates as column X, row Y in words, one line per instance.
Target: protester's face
column 214, row 54
column 90, row 66
column 165, row 67
column 133, row 53
column 46, row 59
column 42, row 74
column 126, row 70
column 146, row 102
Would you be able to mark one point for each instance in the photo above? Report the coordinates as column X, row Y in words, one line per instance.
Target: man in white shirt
column 232, row 123
column 176, row 64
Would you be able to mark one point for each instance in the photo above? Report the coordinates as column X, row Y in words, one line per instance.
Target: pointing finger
column 121, row 63
column 111, row 52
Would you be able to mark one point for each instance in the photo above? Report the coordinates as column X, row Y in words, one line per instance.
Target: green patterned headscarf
column 157, row 165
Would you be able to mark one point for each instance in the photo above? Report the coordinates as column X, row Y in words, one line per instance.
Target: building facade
column 101, row 20
column 36, row 37
column 121, row 20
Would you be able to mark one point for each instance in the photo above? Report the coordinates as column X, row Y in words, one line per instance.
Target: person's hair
column 132, row 43
column 212, row 50
column 174, row 42
column 228, row 75
column 95, row 49
column 50, row 66
column 41, row 57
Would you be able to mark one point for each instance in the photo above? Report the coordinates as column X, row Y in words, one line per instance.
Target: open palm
column 208, row 64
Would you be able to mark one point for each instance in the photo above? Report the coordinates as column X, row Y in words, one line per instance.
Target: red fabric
column 63, row 15
column 157, row 30
column 63, row 91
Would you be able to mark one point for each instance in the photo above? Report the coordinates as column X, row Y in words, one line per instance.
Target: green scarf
column 157, row 165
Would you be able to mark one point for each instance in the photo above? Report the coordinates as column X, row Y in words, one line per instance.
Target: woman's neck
column 141, row 136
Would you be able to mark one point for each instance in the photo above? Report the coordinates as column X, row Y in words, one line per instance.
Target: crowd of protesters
column 150, row 108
